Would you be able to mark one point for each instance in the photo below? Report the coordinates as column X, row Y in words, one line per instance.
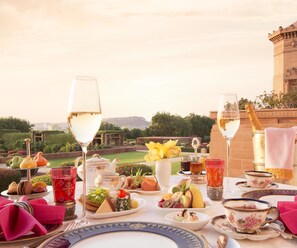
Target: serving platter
column 128, row 234
column 30, row 196
column 141, row 204
column 52, row 229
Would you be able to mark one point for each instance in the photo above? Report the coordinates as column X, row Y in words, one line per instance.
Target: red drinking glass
column 64, row 180
column 215, row 172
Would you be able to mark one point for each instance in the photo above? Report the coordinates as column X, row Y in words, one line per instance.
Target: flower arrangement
column 159, row 151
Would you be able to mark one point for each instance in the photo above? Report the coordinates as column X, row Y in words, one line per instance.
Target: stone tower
column 285, row 59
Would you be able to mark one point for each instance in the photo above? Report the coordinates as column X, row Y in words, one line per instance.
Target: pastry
column 106, row 207
column 24, row 188
column 222, row 241
column 28, row 163
column 40, row 160
column 12, row 188
column 39, row 187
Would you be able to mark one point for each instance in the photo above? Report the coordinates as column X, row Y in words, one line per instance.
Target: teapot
column 93, row 165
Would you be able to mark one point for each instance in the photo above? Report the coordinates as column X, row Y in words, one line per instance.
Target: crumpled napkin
column 18, row 219
column 288, row 214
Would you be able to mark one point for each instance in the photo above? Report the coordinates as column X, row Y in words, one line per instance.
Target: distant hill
column 129, row 122
column 122, row 122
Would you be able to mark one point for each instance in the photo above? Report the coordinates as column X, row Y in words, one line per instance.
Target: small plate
column 221, row 225
column 198, row 179
column 245, row 187
column 30, row 197
column 141, row 204
column 207, row 202
column 31, row 236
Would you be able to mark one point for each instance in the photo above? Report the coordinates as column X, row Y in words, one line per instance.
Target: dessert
column 186, row 216
column 28, row 163
column 106, row 207
column 15, row 162
column 12, row 188
column 123, row 201
column 24, row 188
column 150, row 184
column 222, row 241
column 40, row 160
column 140, row 181
column 184, row 195
column 39, row 187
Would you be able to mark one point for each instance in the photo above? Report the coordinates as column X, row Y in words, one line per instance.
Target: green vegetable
column 97, row 195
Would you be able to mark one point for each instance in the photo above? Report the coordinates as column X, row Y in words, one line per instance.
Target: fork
column 72, row 225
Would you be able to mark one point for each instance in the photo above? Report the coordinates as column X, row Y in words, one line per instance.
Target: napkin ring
column 24, row 205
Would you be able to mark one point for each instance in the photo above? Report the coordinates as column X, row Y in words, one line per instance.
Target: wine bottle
column 256, row 124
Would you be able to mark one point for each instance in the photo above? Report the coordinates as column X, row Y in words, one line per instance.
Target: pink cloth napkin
column 288, row 214
column 279, row 151
column 16, row 221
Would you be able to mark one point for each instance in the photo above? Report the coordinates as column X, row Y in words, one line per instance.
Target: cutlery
column 72, row 225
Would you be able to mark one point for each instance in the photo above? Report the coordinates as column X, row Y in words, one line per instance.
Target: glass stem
column 228, row 157
column 84, row 199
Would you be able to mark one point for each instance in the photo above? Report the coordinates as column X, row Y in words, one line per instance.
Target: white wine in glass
column 84, row 120
column 228, row 120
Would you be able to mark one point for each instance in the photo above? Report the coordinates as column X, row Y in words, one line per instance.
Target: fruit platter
column 103, row 204
column 184, row 195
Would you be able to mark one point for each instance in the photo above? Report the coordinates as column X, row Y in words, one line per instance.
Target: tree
column 242, row 102
column 12, row 124
column 106, row 126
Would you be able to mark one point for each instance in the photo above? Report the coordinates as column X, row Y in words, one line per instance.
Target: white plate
column 221, row 225
column 244, row 187
column 232, row 243
column 141, row 203
column 30, row 197
column 207, row 202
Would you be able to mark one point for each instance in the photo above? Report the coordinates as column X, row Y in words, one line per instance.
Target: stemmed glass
column 228, row 120
column 84, row 120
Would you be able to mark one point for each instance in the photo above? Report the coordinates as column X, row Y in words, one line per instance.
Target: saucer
column 245, row 187
column 196, row 179
column 221, row 225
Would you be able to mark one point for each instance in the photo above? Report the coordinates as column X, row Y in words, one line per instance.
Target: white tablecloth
column 150, row 213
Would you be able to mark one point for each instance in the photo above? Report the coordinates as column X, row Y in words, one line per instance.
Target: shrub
column 43, row 178
column 7, row 176
column 128, row 169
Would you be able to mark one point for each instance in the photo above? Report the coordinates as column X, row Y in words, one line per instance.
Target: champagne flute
column 228, row 120
column 84, row 120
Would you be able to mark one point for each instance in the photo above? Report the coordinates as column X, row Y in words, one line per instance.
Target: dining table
column 151, row 213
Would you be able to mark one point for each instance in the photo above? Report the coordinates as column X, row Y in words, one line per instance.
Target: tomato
column 122, row 193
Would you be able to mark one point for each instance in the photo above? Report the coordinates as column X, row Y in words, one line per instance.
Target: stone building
column 285, row 58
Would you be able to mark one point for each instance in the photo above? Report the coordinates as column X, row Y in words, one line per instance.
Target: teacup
column 247, row 215
column 258, row 179
column 112, row 181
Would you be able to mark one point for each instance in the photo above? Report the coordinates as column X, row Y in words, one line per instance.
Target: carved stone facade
column 285, row 58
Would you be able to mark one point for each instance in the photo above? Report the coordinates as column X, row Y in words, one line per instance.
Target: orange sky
column 148, row 55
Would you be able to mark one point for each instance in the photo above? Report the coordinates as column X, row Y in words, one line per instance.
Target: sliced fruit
column 186, row 201
column 134, row 203
column 177, row 196
column 167, row 196
column 178, row 205
column 197, row 201
column 168, row 203
column 190, row 195
column 149, row 184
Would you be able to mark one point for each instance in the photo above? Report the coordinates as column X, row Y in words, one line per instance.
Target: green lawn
column 126, row 157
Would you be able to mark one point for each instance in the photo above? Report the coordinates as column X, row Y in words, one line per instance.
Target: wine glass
column 84, row 120
column 228, row 120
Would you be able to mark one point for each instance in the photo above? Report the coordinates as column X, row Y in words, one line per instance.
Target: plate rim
column 273, row 185
column 92, row 215
column 257, row 194
column 135, row 226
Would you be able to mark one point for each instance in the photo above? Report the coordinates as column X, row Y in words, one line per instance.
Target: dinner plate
column 30, row 196
column 128, row 234
column 31, row 236
column 245, row 187
column 141, row 203
column 207, row 202
column 221, row 225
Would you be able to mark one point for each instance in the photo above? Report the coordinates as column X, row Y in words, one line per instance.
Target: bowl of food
column 188, row 219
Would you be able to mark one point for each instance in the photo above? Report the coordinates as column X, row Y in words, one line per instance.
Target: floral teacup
column 258, row 179
column 112, row 181
column 247, row 215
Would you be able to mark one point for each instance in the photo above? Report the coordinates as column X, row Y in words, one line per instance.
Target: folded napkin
column 288, row 214
column 20, row 218
column 279, row 151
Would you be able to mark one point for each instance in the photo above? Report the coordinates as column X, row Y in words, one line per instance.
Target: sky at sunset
column 148, row 55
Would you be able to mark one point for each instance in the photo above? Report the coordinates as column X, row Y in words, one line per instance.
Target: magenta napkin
column 288, row 214
column 16, row 221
